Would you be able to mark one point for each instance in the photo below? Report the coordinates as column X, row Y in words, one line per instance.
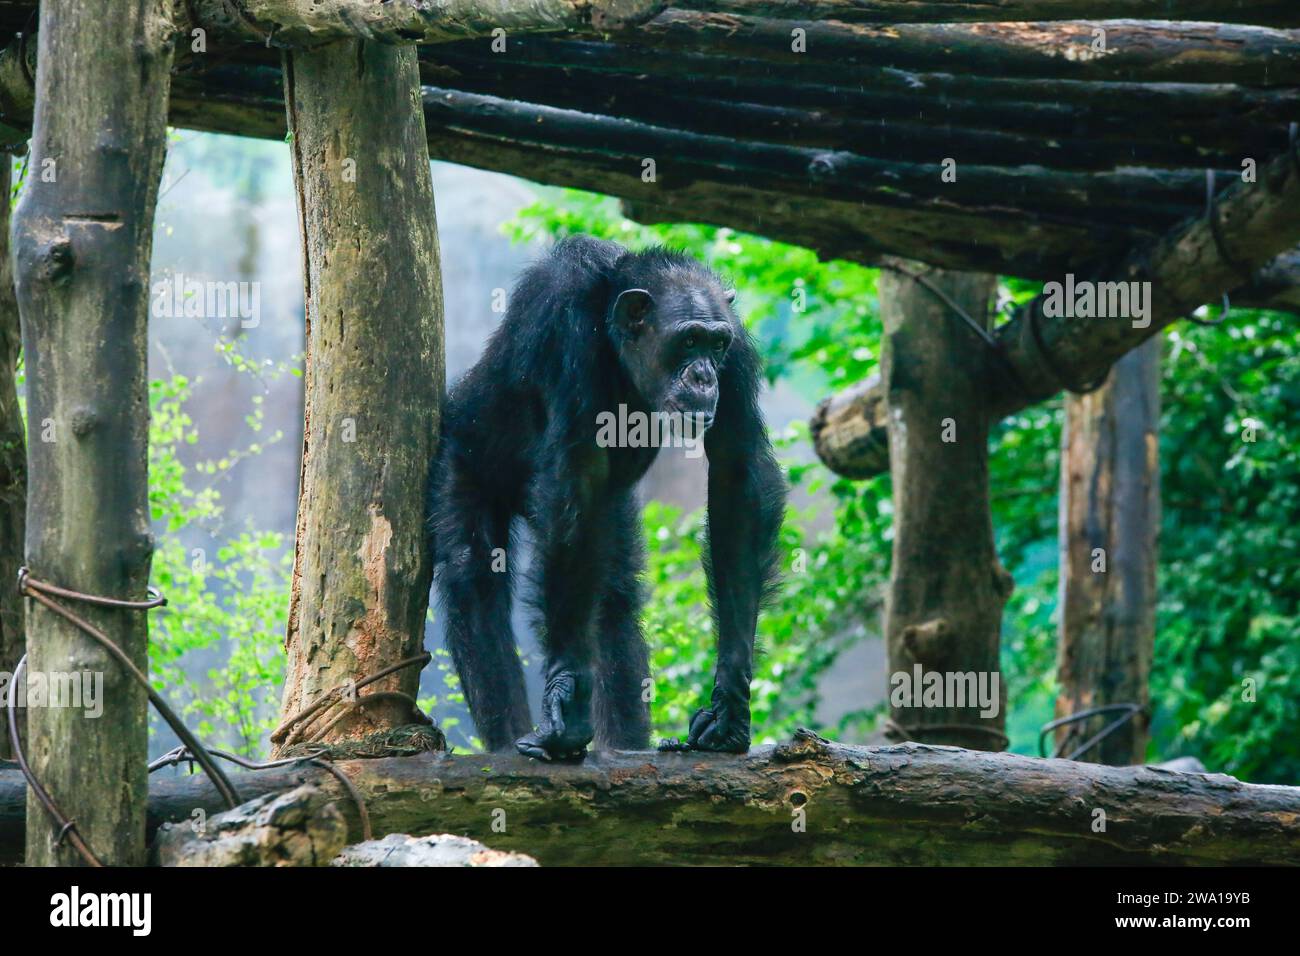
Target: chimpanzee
column 590, row 328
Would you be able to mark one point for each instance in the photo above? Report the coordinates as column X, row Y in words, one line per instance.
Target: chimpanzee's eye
column 719, row 345
column 690, row 341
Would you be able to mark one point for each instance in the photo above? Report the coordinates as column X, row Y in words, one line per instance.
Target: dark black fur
column 519, row 439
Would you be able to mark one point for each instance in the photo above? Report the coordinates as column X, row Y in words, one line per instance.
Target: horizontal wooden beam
column 1268, row 12
column 310, row 22
column 1128, row 50
column 803, row 802
column 1258, row 225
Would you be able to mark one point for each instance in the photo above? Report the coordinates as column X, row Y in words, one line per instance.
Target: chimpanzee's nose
column 700, row 375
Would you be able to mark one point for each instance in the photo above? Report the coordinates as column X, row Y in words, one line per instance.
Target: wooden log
column 374, row 385
column 1147, row 51
column 989, row 237
column 1258, row 223
column 1110, row 522
column 1271, row 12
column 1155, row 49
column 298, row 827
column 1129, row 197
column 82, row 238
column 920, row 129
column 1048, row 106
column 908, row 804
column 304, row 24
column 943, row 607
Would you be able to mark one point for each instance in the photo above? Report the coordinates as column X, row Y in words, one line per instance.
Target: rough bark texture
column 943, row 610
column 761, row 29
column 82, row 238
column 1257, row 224
column 906, row 804
column 374, row 377
column 1110, row 502
column 308, row 23
column 296, row 828
column 1149, row 51
column 13, row 463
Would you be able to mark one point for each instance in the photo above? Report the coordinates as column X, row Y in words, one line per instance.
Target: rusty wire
column 182, row 755
column 1129, row 712
column 45, row 594
column 289, row 727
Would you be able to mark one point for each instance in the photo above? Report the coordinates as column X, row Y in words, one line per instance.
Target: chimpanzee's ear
column 729, row 295
column 631, row 309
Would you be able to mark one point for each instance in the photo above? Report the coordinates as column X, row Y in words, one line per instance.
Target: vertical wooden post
column 374, row 378
column 13, row 461
column 83, row 233
column 943, row 612
column 1110, row 521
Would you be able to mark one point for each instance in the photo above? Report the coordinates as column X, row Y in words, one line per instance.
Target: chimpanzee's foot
column 723, row 726
column 565, row 728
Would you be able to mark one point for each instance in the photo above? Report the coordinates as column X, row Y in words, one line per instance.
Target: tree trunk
column 13, row 464
column 374, row 382
column 82, row 239
column 1110, row 521
column 907, row 804
column 943, row 613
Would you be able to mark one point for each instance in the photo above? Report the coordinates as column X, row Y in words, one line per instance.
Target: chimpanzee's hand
column 723, row 726
column 565, row 727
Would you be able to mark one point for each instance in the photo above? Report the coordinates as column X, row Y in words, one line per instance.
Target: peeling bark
column 296, row 828
column 943, row 610
column 1110, row 522
column 374, row 379
column 443, row 849
column 82, row 239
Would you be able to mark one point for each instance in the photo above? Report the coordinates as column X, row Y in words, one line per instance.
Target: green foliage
column 227, row 609
column 1230, row 550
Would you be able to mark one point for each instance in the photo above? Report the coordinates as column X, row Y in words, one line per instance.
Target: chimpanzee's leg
column 622, row 715
column 570, row 519
column 474, row 589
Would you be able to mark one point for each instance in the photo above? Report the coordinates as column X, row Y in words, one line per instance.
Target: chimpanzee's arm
column 746, row 503
column 569, row 515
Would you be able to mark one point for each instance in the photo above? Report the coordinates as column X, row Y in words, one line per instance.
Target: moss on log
column 906, row 804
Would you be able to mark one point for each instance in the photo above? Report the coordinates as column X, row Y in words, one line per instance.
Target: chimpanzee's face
column 674, row 338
